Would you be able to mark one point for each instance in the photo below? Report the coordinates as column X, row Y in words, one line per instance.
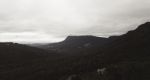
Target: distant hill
column 77, row 45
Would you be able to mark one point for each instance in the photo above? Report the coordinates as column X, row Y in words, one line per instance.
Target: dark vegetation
column 125, row 57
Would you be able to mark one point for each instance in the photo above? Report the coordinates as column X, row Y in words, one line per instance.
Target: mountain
column 125, row 57
column 128, row 57
column 134, row 44
column 77, row 45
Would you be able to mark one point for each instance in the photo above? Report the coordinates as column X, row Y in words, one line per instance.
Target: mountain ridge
column 125, row 57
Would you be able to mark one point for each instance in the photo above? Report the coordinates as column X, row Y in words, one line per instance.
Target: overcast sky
column 53, row 20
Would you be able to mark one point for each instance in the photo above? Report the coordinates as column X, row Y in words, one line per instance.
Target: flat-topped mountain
column 74, row 45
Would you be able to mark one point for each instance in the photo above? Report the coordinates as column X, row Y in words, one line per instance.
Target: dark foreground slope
column 13, row 52
column 21, row 62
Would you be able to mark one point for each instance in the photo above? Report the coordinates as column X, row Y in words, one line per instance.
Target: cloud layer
column 53, row 20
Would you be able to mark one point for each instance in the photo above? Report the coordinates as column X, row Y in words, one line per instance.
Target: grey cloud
column 59, row 18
